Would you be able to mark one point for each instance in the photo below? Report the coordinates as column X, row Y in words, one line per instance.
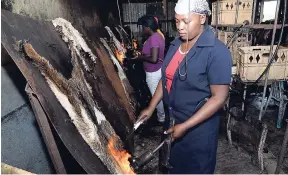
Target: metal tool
column 137, row 124
column 165, row 146
column 139, row 162
column 166, row 149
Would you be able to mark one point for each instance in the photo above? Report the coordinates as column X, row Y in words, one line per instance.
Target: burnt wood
column 46, row 41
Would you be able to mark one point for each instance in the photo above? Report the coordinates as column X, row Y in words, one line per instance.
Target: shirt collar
column 206, row 39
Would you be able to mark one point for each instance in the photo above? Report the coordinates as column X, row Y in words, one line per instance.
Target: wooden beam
column 43, row 36
column 46, row 131
column 114, row 79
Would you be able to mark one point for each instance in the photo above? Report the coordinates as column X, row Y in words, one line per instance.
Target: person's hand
column 146, row 114
column 137, row 53
column 177, row 131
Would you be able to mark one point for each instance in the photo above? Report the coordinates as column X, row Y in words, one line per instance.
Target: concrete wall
column 42, row 10
column 81, row 13
column 22, row 145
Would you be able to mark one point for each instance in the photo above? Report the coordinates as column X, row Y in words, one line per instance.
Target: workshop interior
column 72, row 94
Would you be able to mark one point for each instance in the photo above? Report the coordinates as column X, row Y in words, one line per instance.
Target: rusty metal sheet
column 133, row 11
column 45, row 39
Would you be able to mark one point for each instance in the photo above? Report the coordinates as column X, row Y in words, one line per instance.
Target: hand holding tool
column 137, row 124
column 138, row 162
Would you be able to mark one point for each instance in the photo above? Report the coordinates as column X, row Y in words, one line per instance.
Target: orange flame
column 119, row 55
column 135, row 45
column 121, row 156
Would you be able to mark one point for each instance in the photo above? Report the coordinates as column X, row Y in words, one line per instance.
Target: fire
column 121, row 156
column 119, row 55
column 135, row 45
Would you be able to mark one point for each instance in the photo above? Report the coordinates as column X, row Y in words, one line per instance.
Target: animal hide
column 124, row 36
column 75, row 95
column 118, row 45
column 124, row 80
column 70, row 35
column 75, row 41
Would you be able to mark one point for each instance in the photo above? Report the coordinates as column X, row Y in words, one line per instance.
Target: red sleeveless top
column 172, row 67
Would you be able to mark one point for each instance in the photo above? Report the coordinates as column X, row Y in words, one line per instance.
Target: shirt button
column 165, row 87
column 170, row 108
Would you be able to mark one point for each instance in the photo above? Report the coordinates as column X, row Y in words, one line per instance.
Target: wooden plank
column 46, row 41
column 114, row 78
column 118, row 88
column 46, row 131
column 110, row 93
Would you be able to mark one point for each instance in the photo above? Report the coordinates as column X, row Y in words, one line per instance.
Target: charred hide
column 133, row 68
column 66, row 89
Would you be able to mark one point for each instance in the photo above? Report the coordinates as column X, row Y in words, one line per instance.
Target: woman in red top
column 196, row 69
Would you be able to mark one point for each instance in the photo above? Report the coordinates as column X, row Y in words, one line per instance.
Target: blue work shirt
column 209, row 62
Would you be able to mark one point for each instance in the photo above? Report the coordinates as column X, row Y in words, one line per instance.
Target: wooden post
column 46, row 131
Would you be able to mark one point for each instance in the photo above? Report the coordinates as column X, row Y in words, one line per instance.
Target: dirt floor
column 275, row 137
column 231, row 159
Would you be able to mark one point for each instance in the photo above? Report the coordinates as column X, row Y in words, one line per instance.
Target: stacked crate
column 253, row 60
column 227, row 11
column 240, row 40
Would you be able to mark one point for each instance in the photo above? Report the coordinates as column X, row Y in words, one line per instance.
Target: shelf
column 255, row 26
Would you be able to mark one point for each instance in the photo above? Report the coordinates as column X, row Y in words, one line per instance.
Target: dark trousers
column 195, row 152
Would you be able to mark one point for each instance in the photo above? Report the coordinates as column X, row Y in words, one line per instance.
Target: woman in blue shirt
column 196, row 68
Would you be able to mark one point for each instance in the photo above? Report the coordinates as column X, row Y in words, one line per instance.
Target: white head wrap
column 196, row 6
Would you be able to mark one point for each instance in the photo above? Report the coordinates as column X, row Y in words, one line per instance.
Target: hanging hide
column 120, row 51
column 125, row 82
column 124, row 36
column 75, row 41
column 75, row 95
column 82, row 105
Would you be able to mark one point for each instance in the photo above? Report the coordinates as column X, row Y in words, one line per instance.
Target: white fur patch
column 71, row 35
column 121, row 73
column 99, row 115
column 90, row 128
column 115, row 40
column 87, row 128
